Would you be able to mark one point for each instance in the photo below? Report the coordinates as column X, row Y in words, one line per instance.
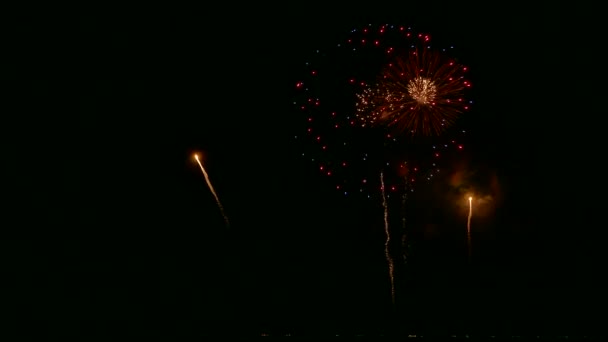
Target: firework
column 365, row 98
column 391, row 80
column 419, row 92
column 387, row 252
column 469, row 227
column 217, row 200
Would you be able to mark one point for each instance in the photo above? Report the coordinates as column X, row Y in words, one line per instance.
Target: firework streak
column 217, row 200
column 389, row 258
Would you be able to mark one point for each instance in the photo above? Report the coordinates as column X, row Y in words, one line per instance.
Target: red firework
column 420, row 92
column 364, row 80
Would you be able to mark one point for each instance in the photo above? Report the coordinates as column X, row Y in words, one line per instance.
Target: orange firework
column 217, row 200
column 469, row 226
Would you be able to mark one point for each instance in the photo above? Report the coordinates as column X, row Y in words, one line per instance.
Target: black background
column 112, row 228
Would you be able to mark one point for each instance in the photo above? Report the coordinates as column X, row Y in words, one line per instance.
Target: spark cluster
column 365, row 98
column 419, row 92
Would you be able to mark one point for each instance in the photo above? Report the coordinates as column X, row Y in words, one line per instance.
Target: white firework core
column 423, row 90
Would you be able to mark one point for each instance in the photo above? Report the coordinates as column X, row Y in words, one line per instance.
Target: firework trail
column 217, row 200
column 469, row 227
column 389, row 259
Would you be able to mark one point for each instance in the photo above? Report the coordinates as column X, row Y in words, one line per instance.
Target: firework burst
column 419, row 92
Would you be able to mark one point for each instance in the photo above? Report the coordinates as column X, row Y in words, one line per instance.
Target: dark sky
column 118, row 232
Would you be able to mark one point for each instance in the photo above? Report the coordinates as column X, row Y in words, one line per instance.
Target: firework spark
column 469, row 227
column 217, row 200
column 358, row 84
column 419, row 93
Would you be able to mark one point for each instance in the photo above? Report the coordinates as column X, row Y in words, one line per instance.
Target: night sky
column 116, row 231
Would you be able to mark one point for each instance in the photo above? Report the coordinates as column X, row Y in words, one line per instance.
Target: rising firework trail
column 389, row 259
column 469, row 227
column 217, row 200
